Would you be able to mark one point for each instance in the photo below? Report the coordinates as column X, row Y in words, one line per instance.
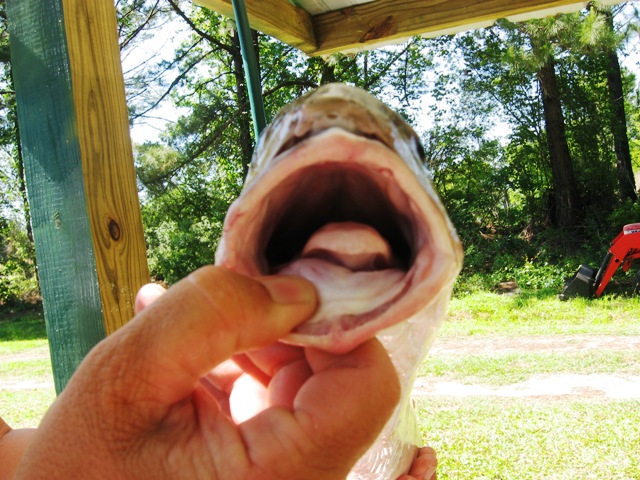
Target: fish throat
column 344, row 207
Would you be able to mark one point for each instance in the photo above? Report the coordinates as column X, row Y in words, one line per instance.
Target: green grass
column 517, row 367
column 25, row 408
column 540, row 313
column 28, row 325
column 16, row 346
column 37, row 370
column 480, row 438
column 24, row 358
column 533, row 438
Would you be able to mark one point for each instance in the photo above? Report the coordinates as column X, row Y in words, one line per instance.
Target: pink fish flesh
column 338, row 193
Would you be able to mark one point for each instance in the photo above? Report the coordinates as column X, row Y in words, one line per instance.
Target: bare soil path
column 610, row 386
column 547, row 387
column 36, row 353
column 487, row 345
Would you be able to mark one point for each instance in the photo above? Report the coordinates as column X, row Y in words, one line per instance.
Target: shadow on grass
column 530, row 298
column 614, row 289
column 23, row 325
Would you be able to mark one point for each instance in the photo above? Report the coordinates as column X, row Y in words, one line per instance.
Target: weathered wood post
column 79, row 170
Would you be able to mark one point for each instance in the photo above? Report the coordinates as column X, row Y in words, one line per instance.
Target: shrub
column 18, row 281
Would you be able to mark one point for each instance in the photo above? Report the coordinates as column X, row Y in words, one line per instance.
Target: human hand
column 252, row 382
column 424, row 466
column 138, row 406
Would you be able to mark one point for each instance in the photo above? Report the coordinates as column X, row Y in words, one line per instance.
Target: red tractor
column 589, row 282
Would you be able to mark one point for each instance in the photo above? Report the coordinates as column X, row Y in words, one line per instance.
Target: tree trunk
column 328, row 73
column 19, row 161
column 618, row 118
column 566, row 200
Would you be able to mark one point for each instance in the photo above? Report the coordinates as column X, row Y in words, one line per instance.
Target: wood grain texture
column 388, row 21
column 383, row 22
column 107, row 156
column 278, row 18
column 55, row 183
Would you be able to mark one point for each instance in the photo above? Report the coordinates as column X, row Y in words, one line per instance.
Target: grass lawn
column 569, row 437
column 26, row 379
column 497, row 438
column 510, row 368
column 562, row 437
column 541, row 313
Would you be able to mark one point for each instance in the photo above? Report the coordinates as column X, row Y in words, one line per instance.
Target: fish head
column 338, row 193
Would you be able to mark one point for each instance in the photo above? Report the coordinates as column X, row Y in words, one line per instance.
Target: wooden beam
column 278, row 18
column 107, row 156
column 391, row 21
column 79, row 171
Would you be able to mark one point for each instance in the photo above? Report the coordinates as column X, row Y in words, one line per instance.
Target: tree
column 565, row 192
column 499, row 73
column 618, row 117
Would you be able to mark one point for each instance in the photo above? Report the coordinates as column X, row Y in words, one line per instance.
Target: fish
column 338, row 193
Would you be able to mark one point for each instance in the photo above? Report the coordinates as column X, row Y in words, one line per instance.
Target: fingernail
column 289, row 290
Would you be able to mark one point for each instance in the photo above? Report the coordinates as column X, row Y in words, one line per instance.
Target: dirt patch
column 16, row 385
column 35, row 353
column 487, row 345
column 546, row 387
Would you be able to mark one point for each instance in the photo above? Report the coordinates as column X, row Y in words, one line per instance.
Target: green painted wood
column 55, row 184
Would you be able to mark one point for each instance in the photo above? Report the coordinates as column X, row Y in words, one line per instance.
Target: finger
column 364, row 380
column 271, row 359
column 199, row 323
column 225, row 374
column 284, row 367
column 337, row 414
column 251, row 390
column 244, row 363
column 287, row 382
column 148, row 294
column 220, row 396
column 424, row 466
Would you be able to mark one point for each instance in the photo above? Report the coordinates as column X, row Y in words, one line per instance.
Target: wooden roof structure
column 323, row 27
column 77, row 150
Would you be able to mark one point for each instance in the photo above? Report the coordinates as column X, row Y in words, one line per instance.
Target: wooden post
column 79, row 169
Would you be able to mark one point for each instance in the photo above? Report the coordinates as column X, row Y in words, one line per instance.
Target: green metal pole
column 251, row 70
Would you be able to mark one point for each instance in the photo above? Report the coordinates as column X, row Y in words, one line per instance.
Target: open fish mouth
column 337, row 195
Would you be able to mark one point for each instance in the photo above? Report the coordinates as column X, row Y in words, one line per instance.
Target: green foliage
column 18, row 283
column 627, row 212
column 176, row 248
column 183, row 208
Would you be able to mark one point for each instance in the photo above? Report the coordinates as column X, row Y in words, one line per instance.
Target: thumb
column 197, row 324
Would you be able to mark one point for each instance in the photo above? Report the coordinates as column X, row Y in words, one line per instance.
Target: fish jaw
column 337, row 175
